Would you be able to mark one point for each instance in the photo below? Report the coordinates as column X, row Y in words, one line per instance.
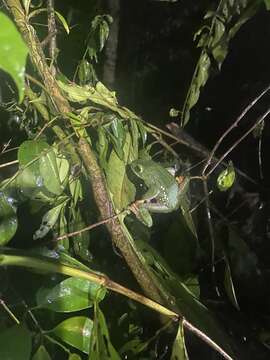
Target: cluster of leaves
column 46, row 179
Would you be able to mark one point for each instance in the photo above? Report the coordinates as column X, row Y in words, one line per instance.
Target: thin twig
column 211, row 233
column 234, row 124
column 206, row 339
column 9, row 163
column 52, row 32
column 258, row 122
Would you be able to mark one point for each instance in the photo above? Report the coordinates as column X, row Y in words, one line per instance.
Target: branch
column 101, row 195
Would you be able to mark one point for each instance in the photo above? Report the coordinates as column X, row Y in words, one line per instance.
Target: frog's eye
column 138, row 169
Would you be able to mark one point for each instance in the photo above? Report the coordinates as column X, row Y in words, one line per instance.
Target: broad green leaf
column 49, row 220
column 118, row 136
column 13, row 53
column 8, row 219
column 101, row 347
column 63, row 21
column 63, row 169
column 179, row 351
column 75, row 331
column 122, row 190
column 86, row 73
column 30, row 181
column 226, row 178
column 180, row 296
column 40, row 171
column 50, row 172
column 70, row 295
column 15, row 343
column 99, row 95
column 41, row 354
column 267, row 4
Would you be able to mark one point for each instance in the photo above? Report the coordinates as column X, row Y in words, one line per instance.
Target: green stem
column 48, row 265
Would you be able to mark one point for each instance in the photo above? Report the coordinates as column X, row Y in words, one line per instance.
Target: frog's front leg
column 141, row 212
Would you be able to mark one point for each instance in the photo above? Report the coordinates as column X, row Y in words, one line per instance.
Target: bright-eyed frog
column 164, row 190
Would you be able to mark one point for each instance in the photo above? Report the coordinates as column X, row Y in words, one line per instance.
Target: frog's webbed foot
column 141, row 213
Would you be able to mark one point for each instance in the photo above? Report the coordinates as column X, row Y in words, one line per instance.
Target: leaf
column 40, row 173
column 99, row 95
column 267, row 4
column 15, row 343
column 214, row 38
column 49, row 220
column 181, row 297
column 70, row 295
column 80, row 241
column 63, row 168
column 122, row 190
column 179, row 351
column 229, row 287
column 102, row 147
column 8, row 219
column 63, row 21
column 86, row 72
column 226, row 178
column 101, row 347
column 41, row 354
column 75, row 331
column 75, row 188
column 50, row 172
column 13, row 53
column 30, row 180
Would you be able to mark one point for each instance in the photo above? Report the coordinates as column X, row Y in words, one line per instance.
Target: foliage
column 75, row 166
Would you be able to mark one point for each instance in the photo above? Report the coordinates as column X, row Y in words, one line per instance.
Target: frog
column 165, row 191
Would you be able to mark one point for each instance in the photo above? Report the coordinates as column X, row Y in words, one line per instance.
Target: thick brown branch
column 87, row 154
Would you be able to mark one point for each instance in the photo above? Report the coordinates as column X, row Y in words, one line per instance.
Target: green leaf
column 49, row 220
column 63, row 21
column 99, row 95
column 226, row 178
column 122, row 190
column 179, row 351
column 50, row 172
column 30, row 180
column 8, row 219
column 75, row 331
column 41, row 354
column 101, row 347
column 86, row 72
column 267, row 4
column 180, row 296
column 214, row 38
column 80, row 241
column 40, row 171
column 70, row 295
column 15, row 343
column 13, row 53
column 102, row 147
